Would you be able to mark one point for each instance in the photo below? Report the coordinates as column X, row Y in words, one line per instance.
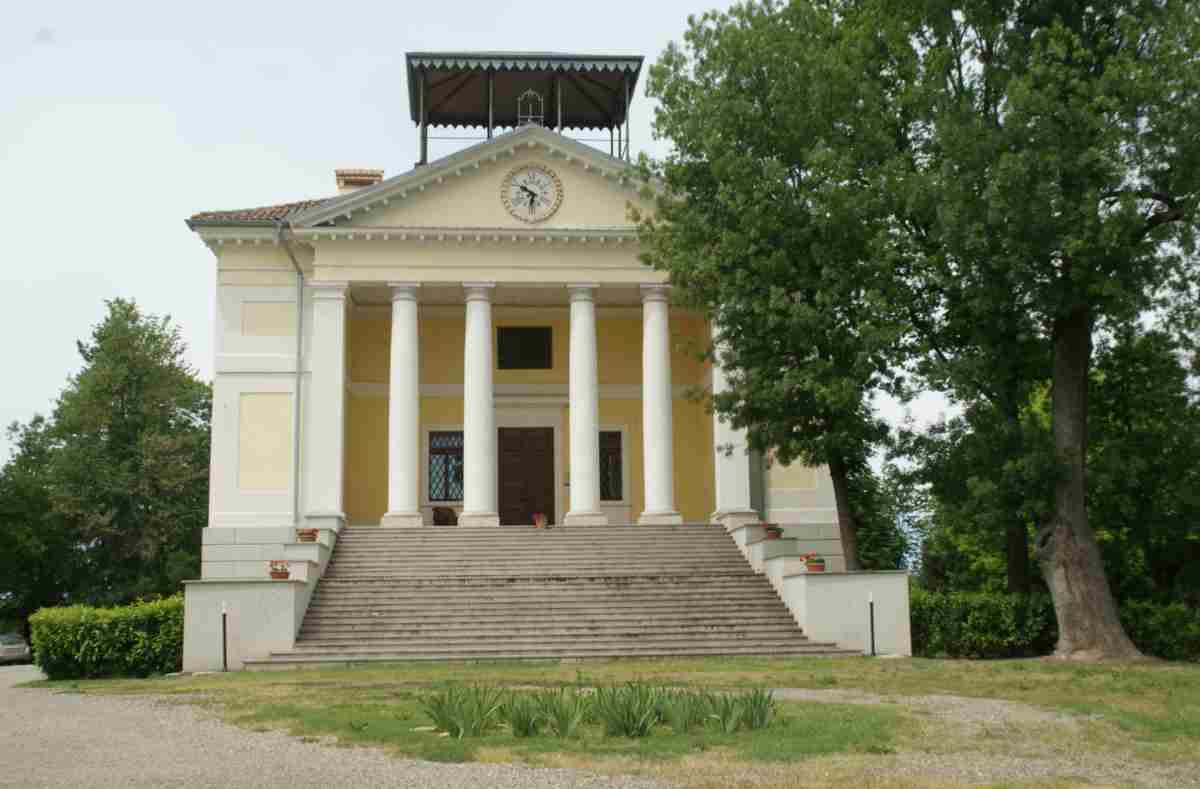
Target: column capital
column 582, row 291
column 404, row 291
column 656, row 293
column 478, row 291
column 328, row 291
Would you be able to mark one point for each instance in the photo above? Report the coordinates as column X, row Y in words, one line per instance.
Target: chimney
column 349, row 180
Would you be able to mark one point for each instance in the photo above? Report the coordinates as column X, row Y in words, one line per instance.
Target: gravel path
column 961, row 709
column 69, row 740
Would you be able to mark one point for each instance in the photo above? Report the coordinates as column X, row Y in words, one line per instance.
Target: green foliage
column 120, row 467
column 1170, row 631
column 629, row 710
column 1144, row 467
column 761, row 220
column 999, row 625
column 981, row 625
column 135, row 640
column 564, row 710
column 465, row 711
column 758, row 708
column 523, row 713
column 727, row 710
column 683, row 710
column 41, row 560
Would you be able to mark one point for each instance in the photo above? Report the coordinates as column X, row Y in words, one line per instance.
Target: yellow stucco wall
column 619, row 356
column 264, row 440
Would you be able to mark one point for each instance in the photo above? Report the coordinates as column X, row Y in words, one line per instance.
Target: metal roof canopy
column 481, row 89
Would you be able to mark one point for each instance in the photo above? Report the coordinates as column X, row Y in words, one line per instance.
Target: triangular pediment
column 464, row 190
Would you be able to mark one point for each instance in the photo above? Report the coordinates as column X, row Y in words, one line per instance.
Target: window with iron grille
column 446, row 465
column 524, row 347
column 611, row 468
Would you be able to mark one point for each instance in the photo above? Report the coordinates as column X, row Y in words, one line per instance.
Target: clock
column 532, row 193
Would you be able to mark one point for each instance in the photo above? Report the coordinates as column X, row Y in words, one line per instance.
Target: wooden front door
column 526, row 474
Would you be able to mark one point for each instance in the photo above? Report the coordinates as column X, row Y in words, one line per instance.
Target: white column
column 404, row 411
column 479, row 412
column 657, row 432
column 325, row 406
column 732, row 464
column 584, row 395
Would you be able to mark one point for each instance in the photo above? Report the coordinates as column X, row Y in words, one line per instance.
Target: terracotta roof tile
column 264, row 214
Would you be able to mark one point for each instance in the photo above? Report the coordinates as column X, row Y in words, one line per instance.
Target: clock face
column 532, row 193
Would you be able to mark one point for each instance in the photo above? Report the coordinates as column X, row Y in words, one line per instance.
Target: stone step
column 736, row 577
column 373, row 623
column 725, row 552
column 387, row 630
column 535, row 642
column 334, row 657
column 732, row 594
column 648, row 564
column 559, row 570
column 445, row 607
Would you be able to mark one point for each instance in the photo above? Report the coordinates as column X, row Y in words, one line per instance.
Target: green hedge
column 1171, row 632
column 998, row 625
column 981, row 625
column 134, row 640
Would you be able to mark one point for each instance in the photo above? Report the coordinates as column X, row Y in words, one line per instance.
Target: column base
column 594, row 518
column 660, row 519
column 478, row 519
column 326, row 520
column 404, row 520
column 731, row 519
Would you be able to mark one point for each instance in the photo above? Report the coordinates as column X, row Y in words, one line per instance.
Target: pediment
column 463, row 190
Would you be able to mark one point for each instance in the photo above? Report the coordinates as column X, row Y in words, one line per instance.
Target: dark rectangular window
column 524, row 347
column 446, row 465
column 611, row 486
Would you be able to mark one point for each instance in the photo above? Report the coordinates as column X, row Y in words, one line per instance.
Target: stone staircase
column 444, row 593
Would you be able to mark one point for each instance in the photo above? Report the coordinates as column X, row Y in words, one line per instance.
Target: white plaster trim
column 468, row 235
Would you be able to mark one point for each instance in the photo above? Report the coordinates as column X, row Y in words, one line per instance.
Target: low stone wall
column 831, row 605
column 263, row 615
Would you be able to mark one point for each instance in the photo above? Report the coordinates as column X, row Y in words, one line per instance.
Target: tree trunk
column 1088, row 625
column 1020, row 580
column 847, row 525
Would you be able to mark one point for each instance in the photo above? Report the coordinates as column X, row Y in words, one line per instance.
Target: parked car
column 13, row 649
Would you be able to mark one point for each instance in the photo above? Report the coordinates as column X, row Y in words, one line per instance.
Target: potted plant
column 814, row 562
column 280, row 569
column 773, row 531
column 539, row 520
column 307, row 535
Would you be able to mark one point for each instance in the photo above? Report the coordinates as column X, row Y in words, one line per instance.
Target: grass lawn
column 1144, row 717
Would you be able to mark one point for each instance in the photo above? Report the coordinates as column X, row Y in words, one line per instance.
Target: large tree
column 130, row 462
column 1060, row 146
column 40, row 554
column 105, row 501
column 763, row 221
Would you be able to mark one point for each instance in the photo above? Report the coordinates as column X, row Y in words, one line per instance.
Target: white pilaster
column 657, row 430
column 404, row 403
column 584, row 398
column 732, row 464
column 480, row 506
column 326, row 405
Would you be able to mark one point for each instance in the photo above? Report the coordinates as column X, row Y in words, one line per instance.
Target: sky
column 119, row 120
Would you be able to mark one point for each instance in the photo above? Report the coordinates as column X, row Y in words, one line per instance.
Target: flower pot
column 307, row 535
column 280, row 575
column 815, row 567
column 774, row 535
